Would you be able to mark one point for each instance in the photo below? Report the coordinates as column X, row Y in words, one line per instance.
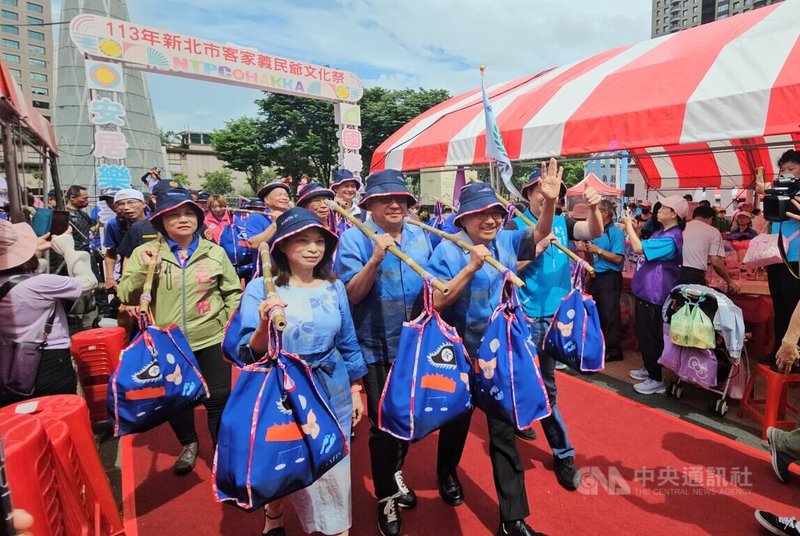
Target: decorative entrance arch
column 110, row 45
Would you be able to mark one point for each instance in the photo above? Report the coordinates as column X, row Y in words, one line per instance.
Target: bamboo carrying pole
column 146, row 298
column 467, row 246
column 569, row 252
column 438, row 285
column 269, row 286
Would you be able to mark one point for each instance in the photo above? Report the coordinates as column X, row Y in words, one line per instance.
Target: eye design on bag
column 488, row 367
column 283, row 406
column 311, row 427
column 443, row 357
column 148, row 374
column 176, row 376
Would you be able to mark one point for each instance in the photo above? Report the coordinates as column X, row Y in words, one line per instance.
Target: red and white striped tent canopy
column 698, row 108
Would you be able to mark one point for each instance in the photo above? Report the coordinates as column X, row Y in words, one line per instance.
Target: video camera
column 778, row 199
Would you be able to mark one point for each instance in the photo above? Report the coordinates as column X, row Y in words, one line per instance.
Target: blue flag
column 494, row 144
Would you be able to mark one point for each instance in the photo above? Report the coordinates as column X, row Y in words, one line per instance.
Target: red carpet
column 667, row 464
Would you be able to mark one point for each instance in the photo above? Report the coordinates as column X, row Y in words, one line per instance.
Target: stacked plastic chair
column 31, row 472
column 96, row 354
column 54, row 470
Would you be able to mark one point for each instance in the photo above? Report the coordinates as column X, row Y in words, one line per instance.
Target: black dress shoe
column 406, row 498
column 186, row 459
column 516, row 528
column 528, row 434
column 388, row 517
column 566, row 474
column 450, row 490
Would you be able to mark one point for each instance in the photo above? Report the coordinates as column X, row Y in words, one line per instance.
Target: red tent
column 591, row 181
column 698, row 108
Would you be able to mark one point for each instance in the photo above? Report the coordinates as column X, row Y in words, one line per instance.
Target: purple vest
column 653, row 280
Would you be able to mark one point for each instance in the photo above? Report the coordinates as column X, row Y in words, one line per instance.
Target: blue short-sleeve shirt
column 256, row 224
column 470, row 313
column 612, row 240
column 378, row 318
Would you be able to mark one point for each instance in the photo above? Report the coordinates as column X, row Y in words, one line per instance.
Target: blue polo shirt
column 175, row 248
column 470, row 313
column 379, row 317
column 256, row 224
column 113, row 235
column 547, row 277
column 613, row 241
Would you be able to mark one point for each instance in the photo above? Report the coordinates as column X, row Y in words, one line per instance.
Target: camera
column 778, row 199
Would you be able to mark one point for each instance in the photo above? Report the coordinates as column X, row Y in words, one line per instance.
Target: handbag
column 157, row 376
column 671, row 356
column 277, row 434
column 764, row 250
column 698, row 366
column 506, row 377
column 19, row 362
column 233, row 239
column 428, row 384
column 575, row 337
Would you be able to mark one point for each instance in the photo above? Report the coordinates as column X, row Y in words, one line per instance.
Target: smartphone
column 59, row 223
column 6, row 511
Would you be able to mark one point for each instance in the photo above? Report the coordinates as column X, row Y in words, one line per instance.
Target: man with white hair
column 130, row 207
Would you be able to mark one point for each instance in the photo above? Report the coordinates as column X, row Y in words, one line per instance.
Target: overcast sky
column 410, row 43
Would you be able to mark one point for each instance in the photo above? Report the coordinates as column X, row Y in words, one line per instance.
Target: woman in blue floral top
column 320, row 330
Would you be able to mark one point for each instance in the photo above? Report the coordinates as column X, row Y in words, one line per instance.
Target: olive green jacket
column 198, row 298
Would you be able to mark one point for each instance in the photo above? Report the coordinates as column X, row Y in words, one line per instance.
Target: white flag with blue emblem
column 495, row 149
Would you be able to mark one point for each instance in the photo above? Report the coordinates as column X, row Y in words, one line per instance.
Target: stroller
column 722, row 366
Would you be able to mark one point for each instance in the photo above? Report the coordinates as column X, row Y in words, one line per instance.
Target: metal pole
column 10, row 165
column 60, row 205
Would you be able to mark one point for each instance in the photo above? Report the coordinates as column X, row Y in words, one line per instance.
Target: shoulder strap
column 783, row 253
column 12, row 282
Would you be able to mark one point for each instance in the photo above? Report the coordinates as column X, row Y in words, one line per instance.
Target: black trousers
column 507, row 470
column 785, row 292
column 649, row 331
column 217, row 373
column 606, row 289
column 386, row 453
column 691, row 276
column 55, row 376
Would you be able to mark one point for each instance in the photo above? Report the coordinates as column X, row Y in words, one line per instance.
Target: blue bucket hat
column 342, row 176
column 168, row 199
column 385, row 183
column 534, row 178
column 296, row 220
column 476, row 197
column 311, row 191
column 254, row 203
column 267, row 188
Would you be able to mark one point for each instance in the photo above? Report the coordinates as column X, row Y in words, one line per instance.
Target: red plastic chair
column 771, row 410
column 72, row 410
column 31, row 472
column 96, row 353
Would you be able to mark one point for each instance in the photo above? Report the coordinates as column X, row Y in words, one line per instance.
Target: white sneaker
column 561, row 366
column 639, row 374
column 650, row 386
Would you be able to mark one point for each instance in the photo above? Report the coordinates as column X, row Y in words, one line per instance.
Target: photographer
column 784, row 287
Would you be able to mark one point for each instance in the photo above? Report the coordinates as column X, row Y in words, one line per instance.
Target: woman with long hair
column 217, row 216
column 320, row 330
column 656, row 274
column 197, row 289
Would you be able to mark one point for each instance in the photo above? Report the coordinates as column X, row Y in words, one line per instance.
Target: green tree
column 384, row 111
column 573, row 173
column 180, row 178
column 240, row 146
column 168, row 137
column 217, row 182
column 299, row 136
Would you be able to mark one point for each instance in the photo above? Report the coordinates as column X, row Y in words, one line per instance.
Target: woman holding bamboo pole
column 197, row 288
column 475, row 290
column 547, row 281
column 320, row 330
column 383, row 293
